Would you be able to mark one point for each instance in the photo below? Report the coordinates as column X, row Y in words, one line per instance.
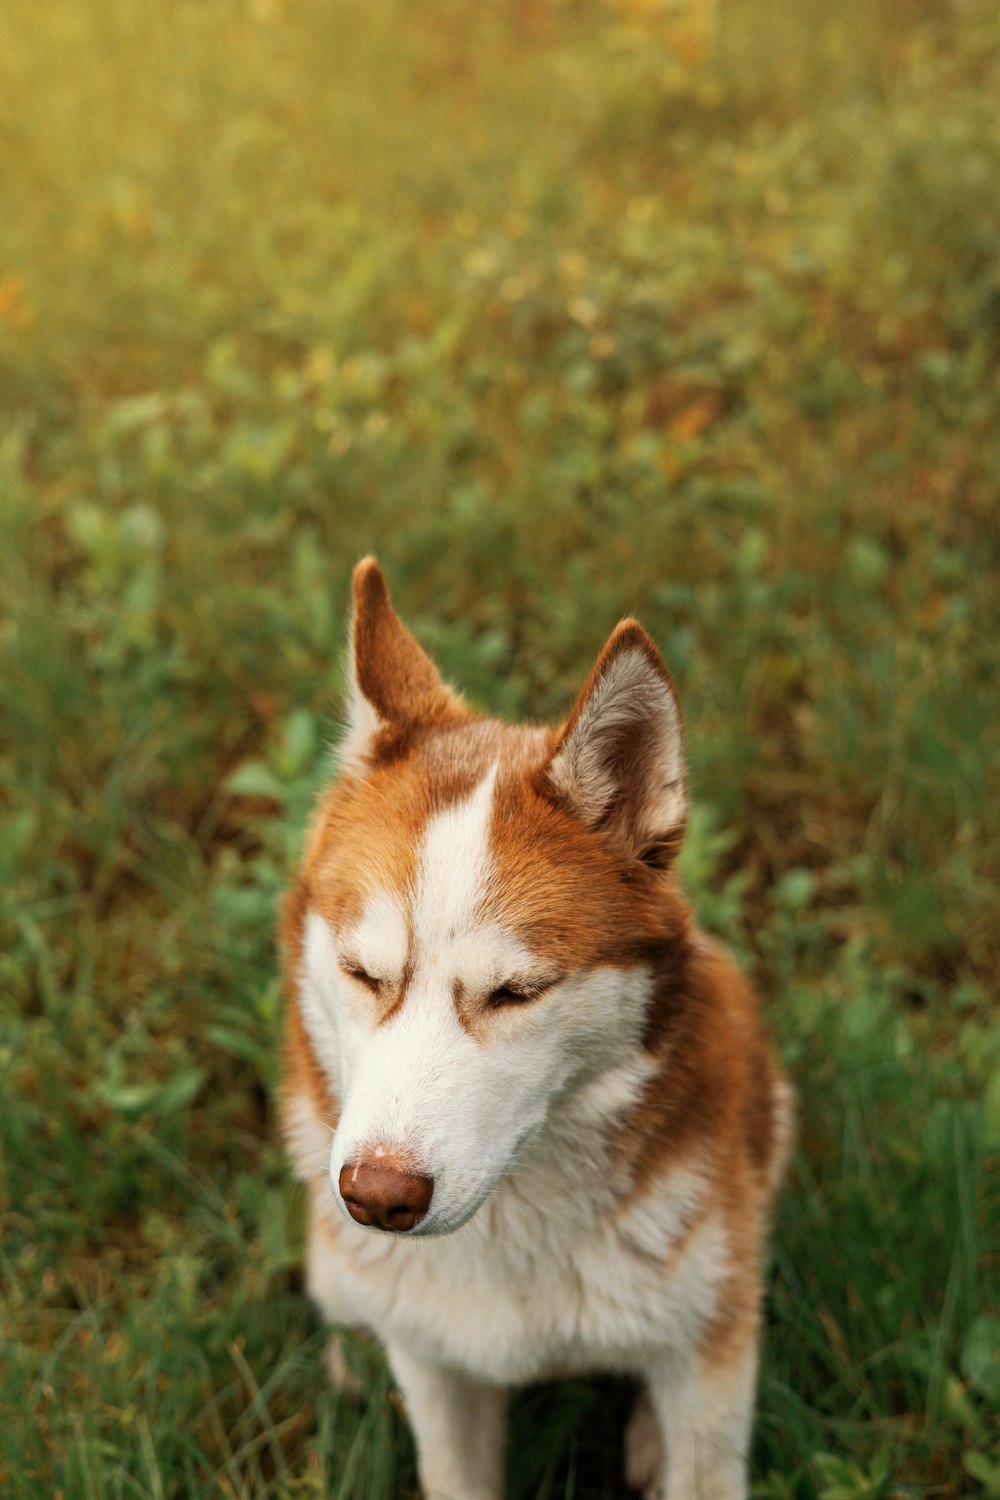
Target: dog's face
column 483, row 907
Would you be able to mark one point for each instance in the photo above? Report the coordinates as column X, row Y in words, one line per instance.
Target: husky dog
column 536, row 1108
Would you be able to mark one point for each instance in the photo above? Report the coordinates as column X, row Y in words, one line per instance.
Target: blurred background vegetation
column 567, row 309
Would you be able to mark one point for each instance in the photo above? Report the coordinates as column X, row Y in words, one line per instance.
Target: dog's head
column 484, row 907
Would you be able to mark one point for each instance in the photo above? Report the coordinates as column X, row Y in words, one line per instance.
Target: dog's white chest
column 541, row 1285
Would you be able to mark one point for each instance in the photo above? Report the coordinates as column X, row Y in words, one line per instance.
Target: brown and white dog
column 545, row 1102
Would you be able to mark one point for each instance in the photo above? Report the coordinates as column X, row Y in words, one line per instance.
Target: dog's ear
column 618, row 765
column 392, row 682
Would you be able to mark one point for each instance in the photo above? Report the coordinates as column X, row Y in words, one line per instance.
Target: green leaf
column 794, row 890
column 179, row 1091
column 985, row 1471
column 298, row 744
column 129, row 1099
column 254, row 779
column 239, row 1043
column 161, row 1098
column 981, row 1356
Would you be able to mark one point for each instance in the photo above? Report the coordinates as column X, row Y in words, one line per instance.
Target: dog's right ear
column 392, row 682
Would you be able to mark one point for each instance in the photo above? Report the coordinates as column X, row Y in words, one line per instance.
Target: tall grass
column 566, row 309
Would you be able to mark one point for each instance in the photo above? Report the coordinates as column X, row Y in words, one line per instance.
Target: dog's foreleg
column 644, row 1461
column 460, row 1429
column 704, row 1412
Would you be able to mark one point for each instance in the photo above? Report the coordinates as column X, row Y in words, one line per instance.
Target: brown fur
column 574, row 898
column 586, row 825
column 393, row 671
column 715, row 1077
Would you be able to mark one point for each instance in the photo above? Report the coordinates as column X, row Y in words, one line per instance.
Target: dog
column 536, row 1109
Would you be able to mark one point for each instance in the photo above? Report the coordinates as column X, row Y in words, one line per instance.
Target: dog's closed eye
column 361, row 975
column 518, row 992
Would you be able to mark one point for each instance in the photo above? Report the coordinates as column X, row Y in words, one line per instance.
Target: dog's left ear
column 392, row 682
column 619, row 762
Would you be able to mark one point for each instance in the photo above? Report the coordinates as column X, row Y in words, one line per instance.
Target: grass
column 567, row 309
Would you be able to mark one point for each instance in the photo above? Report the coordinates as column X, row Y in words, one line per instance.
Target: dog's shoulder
column 715, row 1090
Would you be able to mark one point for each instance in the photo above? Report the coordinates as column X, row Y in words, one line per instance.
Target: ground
column 567, row 309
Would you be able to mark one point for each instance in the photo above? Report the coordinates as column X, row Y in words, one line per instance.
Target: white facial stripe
column 379, row 942
column 460, row 1105
column 452, row 941
column 448, row 941
column 455, row 864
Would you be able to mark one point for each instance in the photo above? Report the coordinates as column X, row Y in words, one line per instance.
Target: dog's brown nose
column 379, row 1191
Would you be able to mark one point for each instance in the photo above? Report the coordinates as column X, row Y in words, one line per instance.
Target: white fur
column 419, row 1086
column 307, row 1138
column 460, row 1423
column 587, row 769
column 654, row 1221
column 522, row 1268
column 319, row 994
column 543, row 1278
column 705, row 1418
column 455, row 863
column 379, row 942
column 363, row 723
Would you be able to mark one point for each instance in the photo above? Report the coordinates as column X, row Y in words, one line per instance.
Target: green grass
column 566, row 310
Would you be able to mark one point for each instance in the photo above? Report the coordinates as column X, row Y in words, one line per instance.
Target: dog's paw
column 644, row 1451
column 342, row 1377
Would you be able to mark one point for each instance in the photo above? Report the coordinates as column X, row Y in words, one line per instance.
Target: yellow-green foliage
column 567, row 309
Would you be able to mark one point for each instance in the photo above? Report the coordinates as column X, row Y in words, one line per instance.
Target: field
column 566, row 309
